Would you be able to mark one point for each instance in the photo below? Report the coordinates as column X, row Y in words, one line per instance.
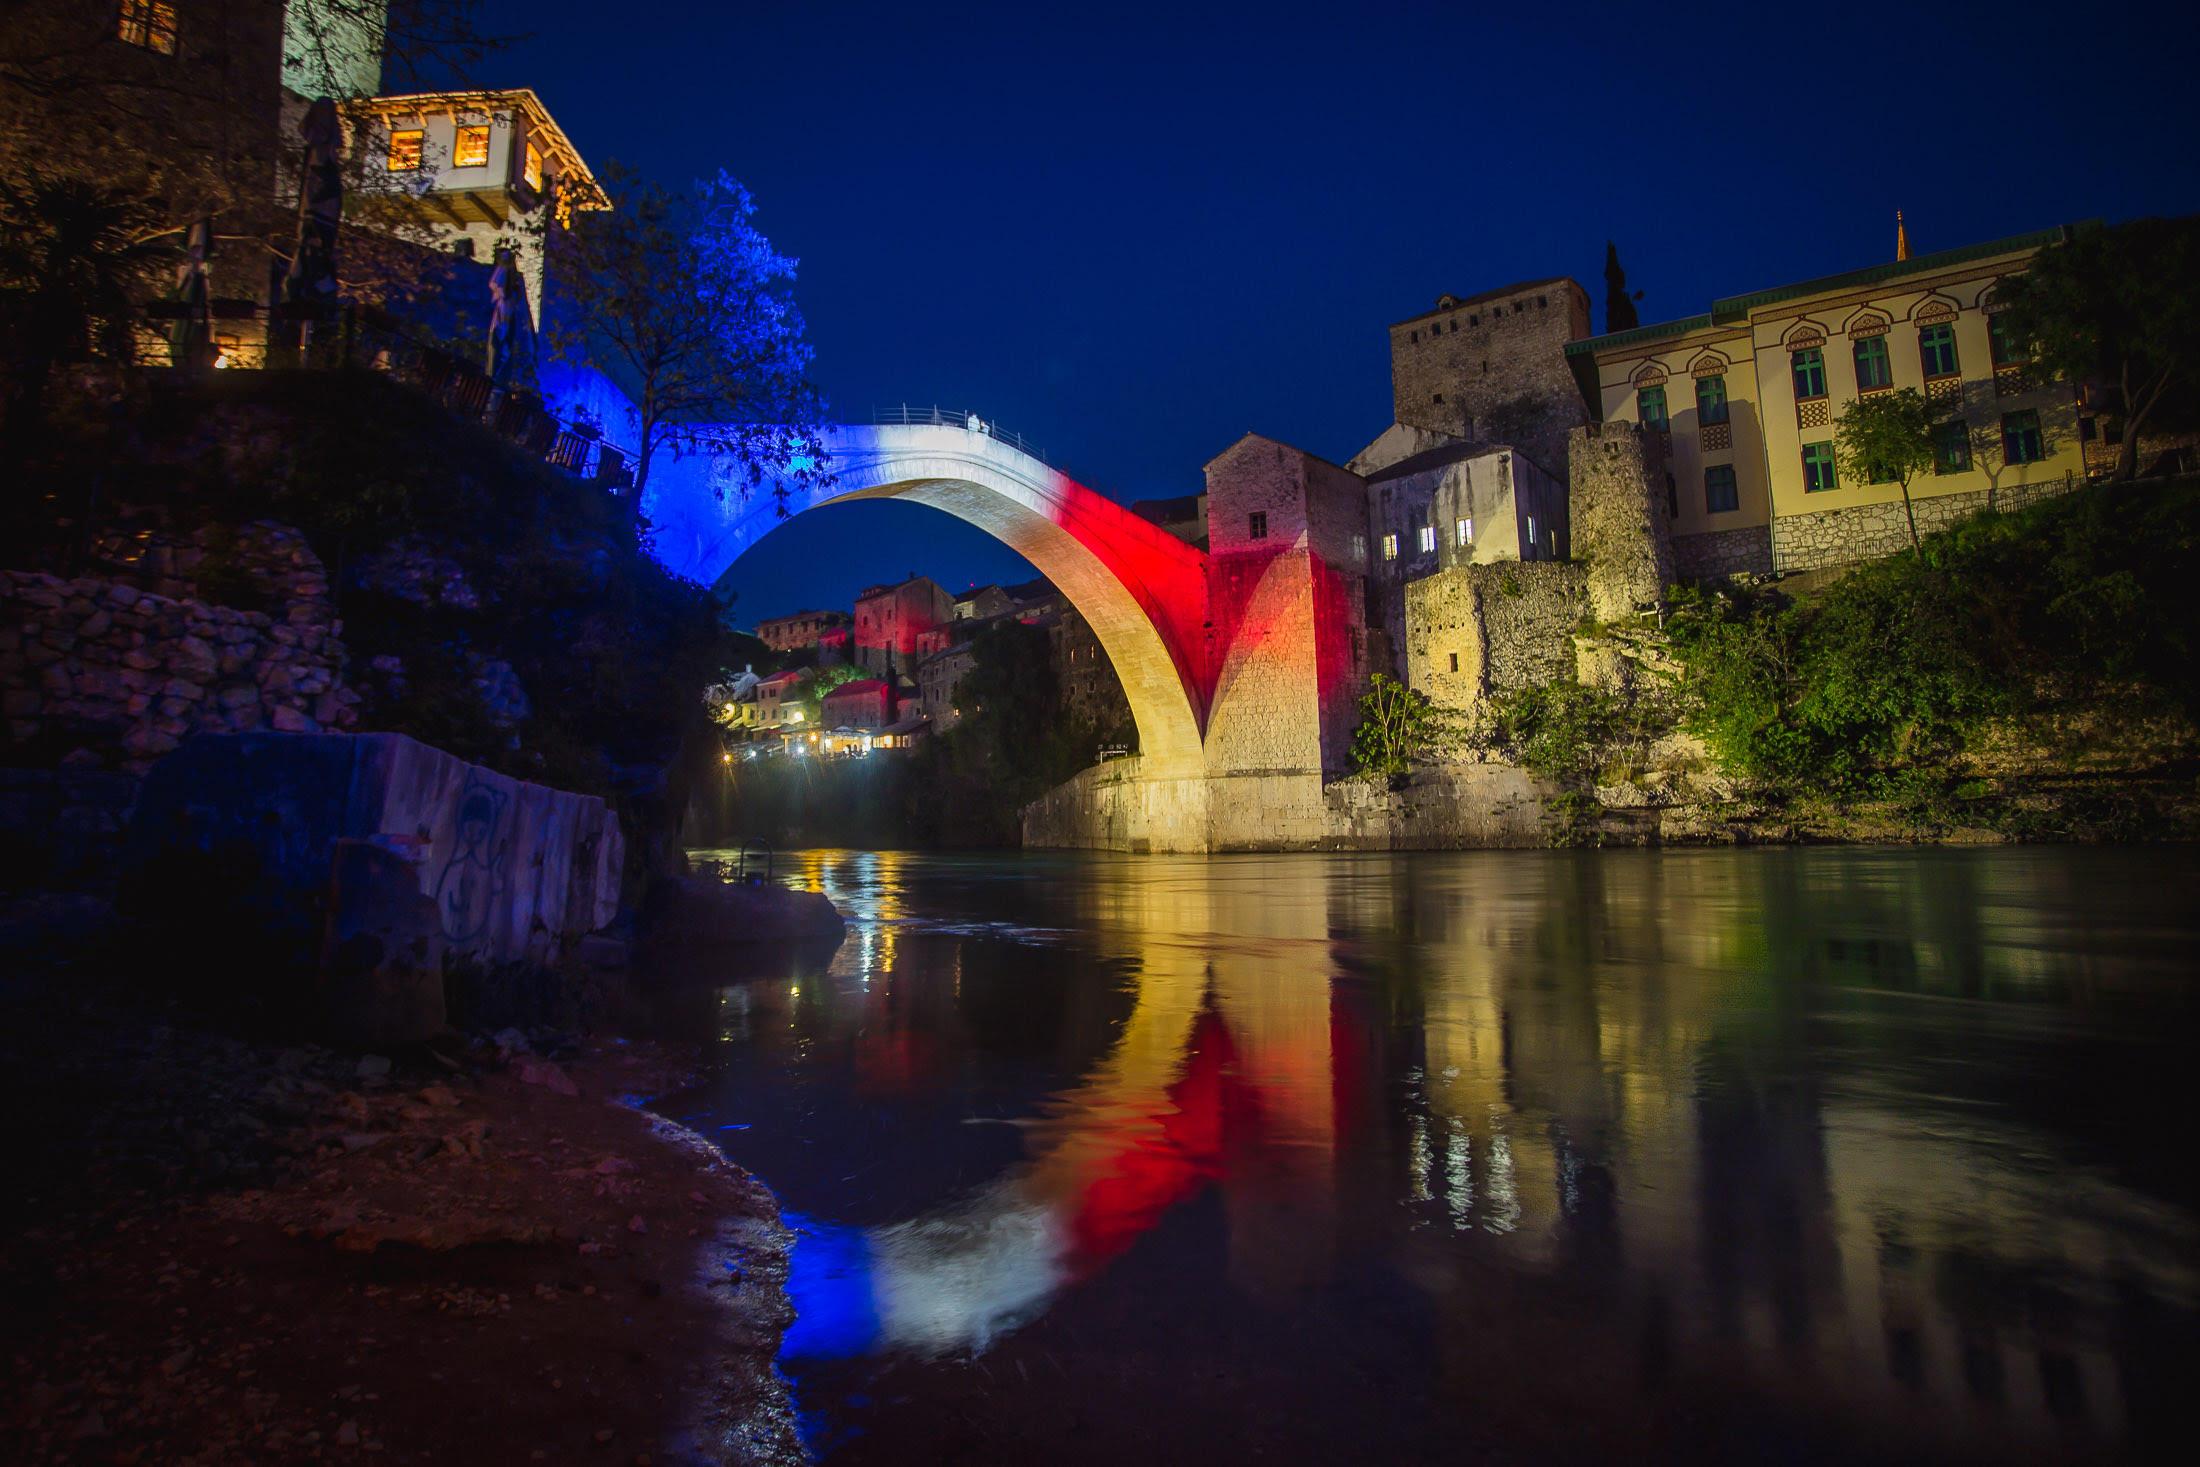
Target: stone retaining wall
column 1476, row 630
column 1869, row 531
column 1722, row 553
column 103, row 671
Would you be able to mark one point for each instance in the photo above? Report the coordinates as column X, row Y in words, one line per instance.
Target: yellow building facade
column 1745, row 398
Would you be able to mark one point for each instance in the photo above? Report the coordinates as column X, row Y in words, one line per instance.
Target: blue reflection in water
column 829, row 1284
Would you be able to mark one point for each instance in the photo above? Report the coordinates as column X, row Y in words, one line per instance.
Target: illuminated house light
column 471, row 150
column 406, row 145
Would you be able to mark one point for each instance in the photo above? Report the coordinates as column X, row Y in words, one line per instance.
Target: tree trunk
column 1909, row 512
column 641, row 472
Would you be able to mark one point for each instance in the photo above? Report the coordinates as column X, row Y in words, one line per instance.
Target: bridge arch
column 1143, row 590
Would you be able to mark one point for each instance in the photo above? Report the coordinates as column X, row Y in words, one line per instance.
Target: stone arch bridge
column 1143, row 590
column 1236, row 669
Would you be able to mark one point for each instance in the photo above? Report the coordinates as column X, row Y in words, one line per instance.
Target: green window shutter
column 1710, row 400
column 1937, row 345
column 1818, row 472
column 1720, row 496
column 1951, row 448
column 1650, row 405
column 2020, row 438
column 1872, row 368
column 1810, row 372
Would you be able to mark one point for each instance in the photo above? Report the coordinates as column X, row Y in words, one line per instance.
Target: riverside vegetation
column 2022, row 676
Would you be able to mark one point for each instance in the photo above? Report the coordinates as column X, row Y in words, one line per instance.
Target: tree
column 1619, row 306
column 1886, row 436
column 75, row 267
column 680, row 299
column 2119, row 306
column 1399, row 728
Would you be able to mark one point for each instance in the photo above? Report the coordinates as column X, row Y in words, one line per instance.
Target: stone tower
column 1492, row 368
column 1620, row 526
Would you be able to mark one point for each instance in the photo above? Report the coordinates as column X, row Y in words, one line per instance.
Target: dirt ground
column 214, row 1250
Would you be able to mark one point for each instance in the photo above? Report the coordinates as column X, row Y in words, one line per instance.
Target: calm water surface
column 1764, row 1155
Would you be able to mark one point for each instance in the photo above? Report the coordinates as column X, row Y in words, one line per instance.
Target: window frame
column 484, row 131
column 1464, row 529
column 1929, row 339
column 1733, row 488
column 149, row 25
column 530, row 168
column 1954, row 433
column 2032, row 431
column 1819, row 456
column 1998, row 336
column 1708, row 411
column 1815, row 367
column 1645, row 396
column 1390, row 545
column 1256, row 525
column 1873, row 349
column 419, row 155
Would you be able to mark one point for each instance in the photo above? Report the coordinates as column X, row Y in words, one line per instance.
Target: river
column 1720, row 1155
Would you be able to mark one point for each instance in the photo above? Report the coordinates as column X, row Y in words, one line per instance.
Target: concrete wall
column 516, row 871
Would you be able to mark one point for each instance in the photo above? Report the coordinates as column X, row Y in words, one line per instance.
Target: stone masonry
column 98, row 671
column 1869, row 531
column 1621, row 529
column 1492, row 368
column 1476, row 630
column 1723, row 553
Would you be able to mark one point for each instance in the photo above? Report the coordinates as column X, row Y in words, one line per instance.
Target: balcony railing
column 906, row 416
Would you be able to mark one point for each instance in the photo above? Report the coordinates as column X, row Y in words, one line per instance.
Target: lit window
column 1872, row 368
column 149, row 23
column 1951, row 448
column 1464, row 529
column 1256, row 525
column 405, row 148
column 1710, row 400
column 533, row 172
column 1809, row 366
column 1531, row 534
column 1427, row 539
column 2007, row 350
column 2020, row 438
column 1390, row 547
column 1818, row 471
column 1937, row 345
column 471, row 150
column 1650, row 406
column 1720, row 496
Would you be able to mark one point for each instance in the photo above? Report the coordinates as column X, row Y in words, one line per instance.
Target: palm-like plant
column 77, row 261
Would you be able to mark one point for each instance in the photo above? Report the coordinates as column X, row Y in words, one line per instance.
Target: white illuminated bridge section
column 1143, row 590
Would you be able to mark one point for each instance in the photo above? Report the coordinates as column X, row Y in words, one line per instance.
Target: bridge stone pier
column 1242, row 664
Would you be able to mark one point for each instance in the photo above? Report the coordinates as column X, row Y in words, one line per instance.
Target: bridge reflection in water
column 1857, row 1137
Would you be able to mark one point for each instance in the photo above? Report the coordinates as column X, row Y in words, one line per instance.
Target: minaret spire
column 1901, row 238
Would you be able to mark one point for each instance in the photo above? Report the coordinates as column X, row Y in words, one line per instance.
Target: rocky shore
column 217, row 1249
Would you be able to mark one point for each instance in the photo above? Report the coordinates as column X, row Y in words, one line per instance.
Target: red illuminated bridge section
column 1143, row 590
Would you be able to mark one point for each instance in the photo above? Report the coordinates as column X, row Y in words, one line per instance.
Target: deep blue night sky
column 1134, row 234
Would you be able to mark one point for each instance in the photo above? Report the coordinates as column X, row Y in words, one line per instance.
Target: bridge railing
column 906, row 416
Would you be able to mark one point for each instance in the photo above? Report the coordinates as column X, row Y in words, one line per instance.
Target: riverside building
column 1745, row 397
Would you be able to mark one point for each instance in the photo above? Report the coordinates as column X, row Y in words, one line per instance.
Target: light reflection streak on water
column 1796, row 1086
